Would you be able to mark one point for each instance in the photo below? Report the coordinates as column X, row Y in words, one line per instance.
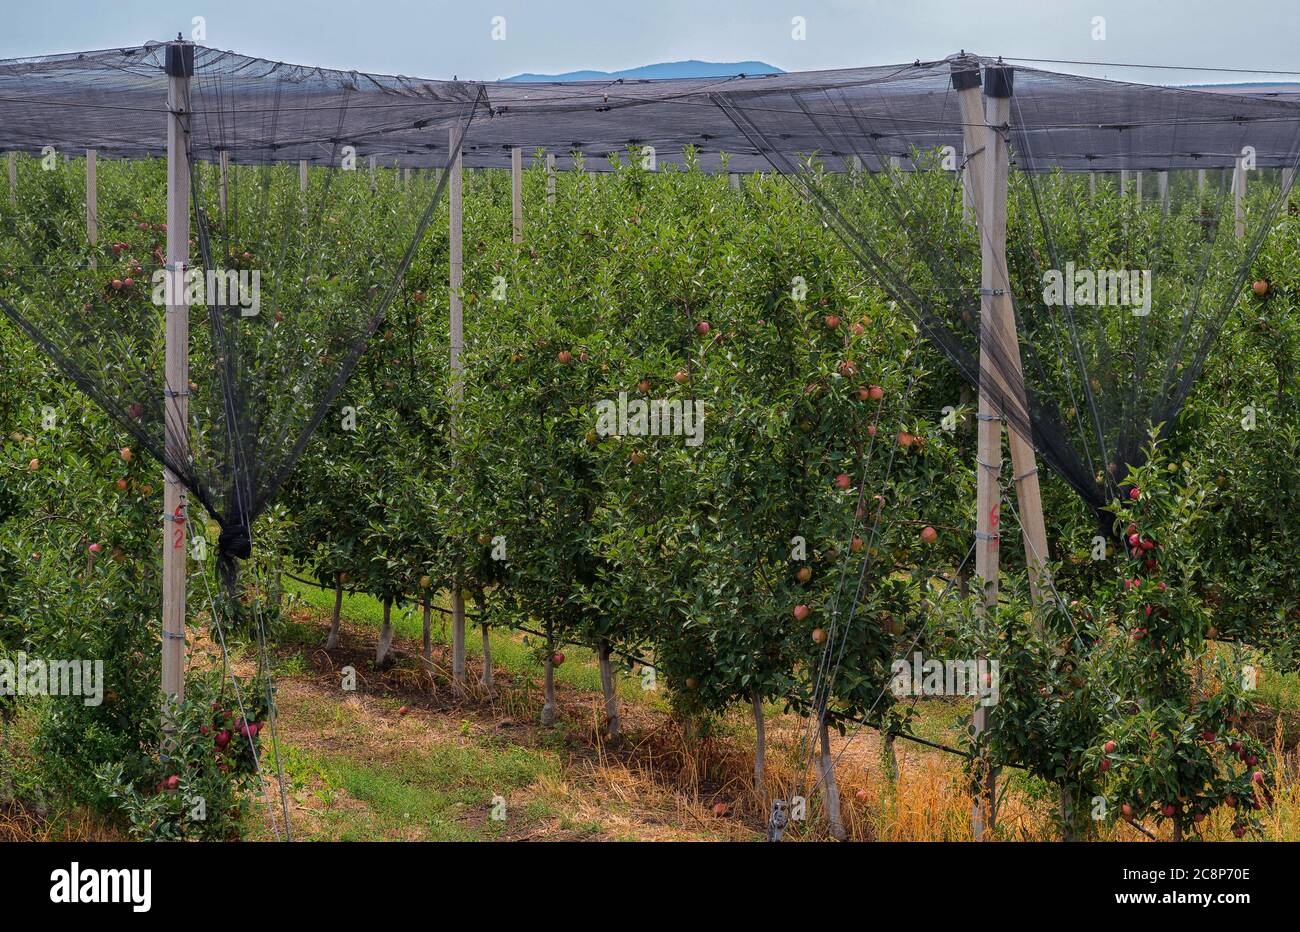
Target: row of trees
column 735, row 562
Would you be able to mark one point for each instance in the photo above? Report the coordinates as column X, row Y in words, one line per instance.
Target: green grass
column 444, row 792
column 511, row 650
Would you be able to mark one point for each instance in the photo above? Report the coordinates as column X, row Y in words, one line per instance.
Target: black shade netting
column 298, row 247
column 1118, row 296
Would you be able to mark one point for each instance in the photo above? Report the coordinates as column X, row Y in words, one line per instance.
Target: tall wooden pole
column 456, row 236
column 180, row 66
column 984, row 130
column 1200, row 181
column 1162, row 185
column 92, row 205
column 517, row 194
column 302, row 174
column 550, row 178
column 13, row 179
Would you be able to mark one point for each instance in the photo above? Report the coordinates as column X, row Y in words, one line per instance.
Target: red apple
column 404, row 710
column 1260, row 287
column 1134, row 493
column 1127, row 811
column 702, row 327
column 801, row 612
column 33, row 465
column 929, row 535
column 832, row 321
column 95, row 548
column 564, row 356
column 876, row 392
column 855, row 545
column 818, row 635
column 1109, row 747
column 557, row 659
column 1105, row 764
column 804, row 574
column 680, row 377
column 843, row 482
column 720, row 810
column 1169, row 810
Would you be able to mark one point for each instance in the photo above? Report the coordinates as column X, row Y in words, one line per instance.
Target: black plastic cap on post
column 965, row 76
column 180, row 60
column 998, row 80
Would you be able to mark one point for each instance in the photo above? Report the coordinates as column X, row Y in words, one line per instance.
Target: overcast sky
column 439, row 39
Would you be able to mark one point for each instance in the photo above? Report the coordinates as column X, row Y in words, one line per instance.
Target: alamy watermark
column 976, row 678
column 656, row 417
column 1099, row 288
column 34, row 676
column 217, row 287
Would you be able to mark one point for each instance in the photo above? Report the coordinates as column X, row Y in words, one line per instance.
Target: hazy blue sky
column 437, row 39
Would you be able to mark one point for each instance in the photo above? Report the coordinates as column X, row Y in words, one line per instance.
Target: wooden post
column 550, row 178
column 1092, row 185
column 176, row 407
column 734, row 180
column 517, row 194
column 13, row 179
column 223, row 188
column 1137, row 185
column 997, row 324
column 92, row 205
column 1123, row 182
column 1162, row 186
column 1239, row 195
column 1200, row 181
column 457, row 326
column 302, row 174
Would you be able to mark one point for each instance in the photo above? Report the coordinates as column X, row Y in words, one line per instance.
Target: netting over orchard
column 260, row 110
column 880, row 152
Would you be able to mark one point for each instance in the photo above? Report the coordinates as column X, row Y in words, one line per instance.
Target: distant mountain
column 672, row 69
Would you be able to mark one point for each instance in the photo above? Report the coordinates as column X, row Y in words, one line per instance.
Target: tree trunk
column 889, row 753
column 458, row 683
column 548, row 705
column 613, row 723
column 760, row 747
column 1178, row 827
column 427, row 652
column 827, row 767
column 385, row 635
column 332, row 641
column 1067, row 815
column 486, row 679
